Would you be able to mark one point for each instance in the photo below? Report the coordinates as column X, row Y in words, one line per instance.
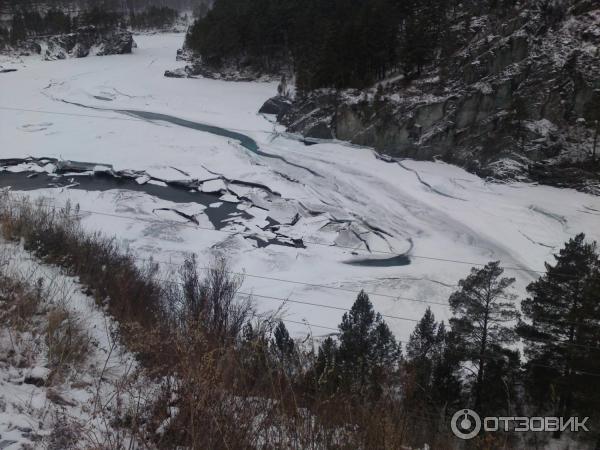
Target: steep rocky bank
column 83, row 42
column 234, row 70
column 520, row 99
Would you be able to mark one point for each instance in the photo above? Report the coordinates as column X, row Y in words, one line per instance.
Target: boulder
column 177, row 73
column 275, row 105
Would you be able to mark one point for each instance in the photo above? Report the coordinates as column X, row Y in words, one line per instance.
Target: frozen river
column 204, row 172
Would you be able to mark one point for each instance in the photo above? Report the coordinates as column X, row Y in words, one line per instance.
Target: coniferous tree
column 432, row 383
column 367, row 352
column 283, row 350
column 282, row 343
column 483, row 311
column 562, row 333
column 326, row 369
column 421, row 348
column 366, row 358
column 446, row 387
column 4, row 36
column 331, row 43
column 421, row 353
column 385, row 351
column 18, row 31
column 55, row 21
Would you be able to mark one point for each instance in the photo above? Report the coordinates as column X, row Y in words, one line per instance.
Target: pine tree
column 18, row 30
column 482, row 314
column 332, row 43
column 562, row 333
column 431, row 377
column 593, row 114
column 446, row 387
column 326, row 369
column 417, row 377
column 421, row 347
column 432, row 357
column 368, row 352
column 385, row 352
column 355, row 343
column 423, row 339
column 282, row 344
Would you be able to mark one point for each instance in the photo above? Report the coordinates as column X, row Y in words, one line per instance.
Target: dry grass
column 67, row 342
column 55, row 235
column 32, row 312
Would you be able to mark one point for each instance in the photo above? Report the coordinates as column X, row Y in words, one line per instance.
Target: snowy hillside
column 312, row 223
column 57, row 400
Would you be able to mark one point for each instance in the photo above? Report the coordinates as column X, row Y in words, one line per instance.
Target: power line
column 284, row 300
column 566, row 344
column 370, row 293
column 246, row 234
column 392, row 297
column 549, row 341
column 388, row 296
column 309, row 324
column 312, row 285
column 289, row 300
column 125, row 112
column 387, row 316
column 93, row 116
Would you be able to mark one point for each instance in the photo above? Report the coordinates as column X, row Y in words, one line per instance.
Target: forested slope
column 506, row 89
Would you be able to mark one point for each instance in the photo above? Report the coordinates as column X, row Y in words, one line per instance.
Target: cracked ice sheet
column 515, row 223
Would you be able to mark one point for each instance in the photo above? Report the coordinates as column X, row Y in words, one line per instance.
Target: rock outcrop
column 85, row 41
column 276, row 105
column 233, row 70
column 519, row 100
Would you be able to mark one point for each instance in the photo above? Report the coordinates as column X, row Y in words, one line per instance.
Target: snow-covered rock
column 83, row 42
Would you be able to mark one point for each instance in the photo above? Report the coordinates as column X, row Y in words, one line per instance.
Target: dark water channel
column 30, row 181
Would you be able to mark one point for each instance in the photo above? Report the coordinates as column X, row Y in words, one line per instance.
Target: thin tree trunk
column 595, row 140
column 566, row 392
column 480, row 372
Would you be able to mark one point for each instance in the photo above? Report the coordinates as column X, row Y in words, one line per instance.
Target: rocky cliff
column 83, row 42
column 520, row 99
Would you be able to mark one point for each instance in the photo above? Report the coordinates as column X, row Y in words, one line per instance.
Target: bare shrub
column 65, row 434
column 19, row 301
column 111, row 274
column 210, row 302
column 68, row 343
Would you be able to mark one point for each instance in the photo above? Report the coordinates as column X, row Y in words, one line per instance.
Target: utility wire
column 309, row 324
column 285, row 300
column 392, row 297
column 248, row 234
column 308, row 242
column 123, row 112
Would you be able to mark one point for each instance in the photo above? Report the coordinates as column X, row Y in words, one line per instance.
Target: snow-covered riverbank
column 345, row 204
column 45, row 404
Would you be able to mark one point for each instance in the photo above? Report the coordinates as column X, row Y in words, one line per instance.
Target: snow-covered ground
column 351, row 205
column 37, row 411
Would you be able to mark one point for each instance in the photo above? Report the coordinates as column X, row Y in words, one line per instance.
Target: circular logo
column 465, row 424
